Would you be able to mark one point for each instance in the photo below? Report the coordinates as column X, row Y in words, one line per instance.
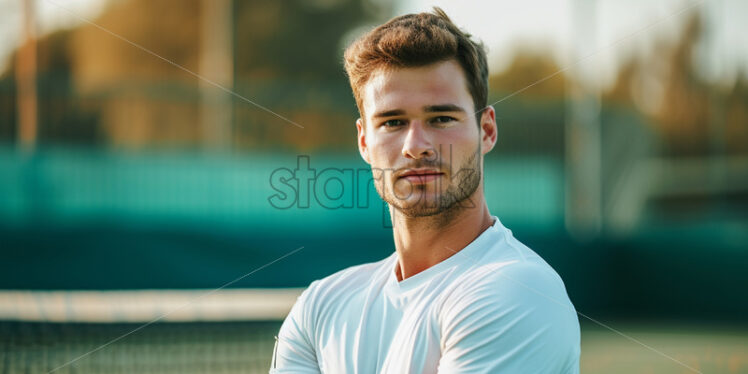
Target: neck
column 422, row 242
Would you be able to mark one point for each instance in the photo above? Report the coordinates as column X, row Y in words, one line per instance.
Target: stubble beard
column 462, row 186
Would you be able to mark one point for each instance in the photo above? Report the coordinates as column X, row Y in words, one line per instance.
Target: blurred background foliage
column 287, row 56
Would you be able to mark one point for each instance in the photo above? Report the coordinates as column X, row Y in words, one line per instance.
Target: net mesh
column 183, row 347
column 118, row 342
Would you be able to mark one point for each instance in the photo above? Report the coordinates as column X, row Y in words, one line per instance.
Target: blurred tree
column 61, row 118
column 289, row 53
column 532, row 74
column 681, row 105
column 287, row 58
column 95, row 87
column 294, row 39
column 736, row 114
column 530, row 108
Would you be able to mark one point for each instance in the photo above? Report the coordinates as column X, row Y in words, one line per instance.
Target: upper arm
column 517, row 320
column 294, row 351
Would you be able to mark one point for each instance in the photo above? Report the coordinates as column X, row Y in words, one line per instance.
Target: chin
column 417, row 212
column 420, row 206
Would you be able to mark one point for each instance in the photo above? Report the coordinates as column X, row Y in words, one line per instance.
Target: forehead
column 413, row 88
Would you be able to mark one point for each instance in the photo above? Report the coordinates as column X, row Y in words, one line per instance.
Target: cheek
column 459, row 143
column 383, row 151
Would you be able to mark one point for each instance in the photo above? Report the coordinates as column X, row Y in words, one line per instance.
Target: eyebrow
column 443, row 108
column 389, row 113
column 428, row 109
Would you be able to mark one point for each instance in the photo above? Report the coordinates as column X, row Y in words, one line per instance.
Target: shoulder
column 340, row 287
column 349, row 278
column 508, row 270
column 519, row 303
column 512, row 272
column 527, row 284
column 324, row 298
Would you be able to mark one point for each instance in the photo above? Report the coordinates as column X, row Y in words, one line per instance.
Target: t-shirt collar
column 491, row 235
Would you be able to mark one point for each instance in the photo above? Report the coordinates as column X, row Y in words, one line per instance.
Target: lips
column 420, row 175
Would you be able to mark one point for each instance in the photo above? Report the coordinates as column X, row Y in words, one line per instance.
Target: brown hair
column 415, row 40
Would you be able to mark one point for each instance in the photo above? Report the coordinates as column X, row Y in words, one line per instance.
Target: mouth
column 421, row 176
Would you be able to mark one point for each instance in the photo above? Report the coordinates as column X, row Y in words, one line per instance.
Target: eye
column 392, row 123
column 443, row 119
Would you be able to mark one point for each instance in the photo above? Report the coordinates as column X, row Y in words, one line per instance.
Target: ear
column 362, row 148
column 488, row 129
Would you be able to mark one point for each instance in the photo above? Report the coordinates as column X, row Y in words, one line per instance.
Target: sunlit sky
column 619, row 28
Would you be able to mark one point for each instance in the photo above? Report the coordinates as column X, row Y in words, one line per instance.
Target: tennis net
column 152, row 331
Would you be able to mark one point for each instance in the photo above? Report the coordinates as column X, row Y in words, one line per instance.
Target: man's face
column 421, row 138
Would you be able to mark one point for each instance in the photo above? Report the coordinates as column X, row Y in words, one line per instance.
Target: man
column 460, row 294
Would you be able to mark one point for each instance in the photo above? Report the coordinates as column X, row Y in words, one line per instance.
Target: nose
column 417, row 143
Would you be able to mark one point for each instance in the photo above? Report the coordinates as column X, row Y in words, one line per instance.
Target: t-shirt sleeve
column 294, row 350
column 516, row 319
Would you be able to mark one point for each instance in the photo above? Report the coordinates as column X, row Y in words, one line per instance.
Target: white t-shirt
column 493, row 307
